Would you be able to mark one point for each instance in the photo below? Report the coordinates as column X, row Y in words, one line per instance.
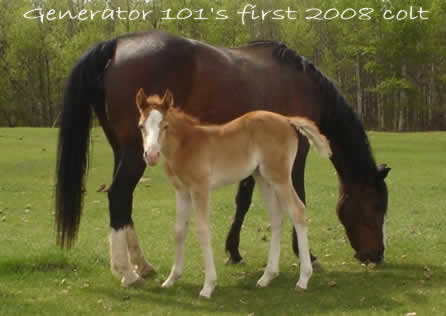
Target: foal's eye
column 140, row 126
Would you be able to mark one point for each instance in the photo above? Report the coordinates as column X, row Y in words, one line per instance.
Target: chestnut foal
column 199, row 158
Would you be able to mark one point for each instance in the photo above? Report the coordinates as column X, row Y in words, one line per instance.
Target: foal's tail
column 311, row 131
column 84, row 88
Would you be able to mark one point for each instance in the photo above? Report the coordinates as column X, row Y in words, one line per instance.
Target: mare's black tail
column 85, row 87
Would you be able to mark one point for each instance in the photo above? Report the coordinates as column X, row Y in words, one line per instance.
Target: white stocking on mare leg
column 276, row 216
column 296, row 211
column 120, row 264
column 183, row 211
column 140, row 265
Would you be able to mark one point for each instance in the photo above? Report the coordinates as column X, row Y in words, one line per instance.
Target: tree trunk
column 70, row 22
column 402, row 122
column 358, row 88
column 50, row 113
column 380, row 110
column 432, row 96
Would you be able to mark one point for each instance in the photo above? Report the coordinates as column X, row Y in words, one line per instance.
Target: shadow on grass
column 387, row 288
column 44, row 263
column 47, row 262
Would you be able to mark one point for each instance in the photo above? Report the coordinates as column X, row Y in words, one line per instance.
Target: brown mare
column 258, row 76
column 199, row 158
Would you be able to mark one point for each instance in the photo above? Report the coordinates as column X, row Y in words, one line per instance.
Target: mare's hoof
column 138, row 283
column 317, row 267
column 146, row 270
column 230, row 261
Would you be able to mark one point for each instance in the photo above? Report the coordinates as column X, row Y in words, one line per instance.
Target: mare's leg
column 183, row 211
column 289, row 200
column 120, row 195
column 136, row 256
column 276, row 217
column 110, row 134
column 298, row 176
column 123, row 238
column 243, row 201
column 200, row 201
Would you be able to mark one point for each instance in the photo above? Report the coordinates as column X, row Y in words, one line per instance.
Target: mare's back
column 214, row 84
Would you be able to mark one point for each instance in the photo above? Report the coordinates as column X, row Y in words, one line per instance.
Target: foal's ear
column 383, row 171
column 168, row 99
column 141, row 100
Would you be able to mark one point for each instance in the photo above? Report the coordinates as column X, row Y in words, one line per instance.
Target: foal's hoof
column 263, row 282
column 300, row 289
column 206, row 294
column 145, row 270
column 137, row 283
column 230, row 261
column 207, row 290
column 266, row 279
column 168, row 283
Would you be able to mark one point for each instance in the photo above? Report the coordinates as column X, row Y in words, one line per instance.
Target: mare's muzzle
column 371, row 256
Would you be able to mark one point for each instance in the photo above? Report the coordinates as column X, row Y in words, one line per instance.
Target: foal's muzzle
column 151, row 158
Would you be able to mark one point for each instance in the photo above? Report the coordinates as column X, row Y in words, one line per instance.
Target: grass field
column 38, row 278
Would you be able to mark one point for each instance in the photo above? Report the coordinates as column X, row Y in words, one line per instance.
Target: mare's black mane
column 338, row 121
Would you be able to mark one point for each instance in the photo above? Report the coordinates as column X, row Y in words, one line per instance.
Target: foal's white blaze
column 384, row 232
column 152, row 146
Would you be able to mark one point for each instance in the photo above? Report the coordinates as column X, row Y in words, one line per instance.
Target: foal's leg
column 298, row 176
column 296, row 210
column 120, row 196
column 183, row 211
column 242, row 201
column 200, row 201
column 276, row 217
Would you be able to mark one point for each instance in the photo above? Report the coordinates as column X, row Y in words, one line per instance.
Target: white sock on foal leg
column 210, row 273
column 272, row 267
column 140, row 265
column 276, row 217
column 296, row 212
column 120, row 264
column 183, row 211
column 200, row 201
column 306, row 268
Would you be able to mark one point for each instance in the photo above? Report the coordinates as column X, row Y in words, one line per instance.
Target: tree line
column 386, row 56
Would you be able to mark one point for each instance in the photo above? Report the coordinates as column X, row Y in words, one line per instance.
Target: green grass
column 38, row 278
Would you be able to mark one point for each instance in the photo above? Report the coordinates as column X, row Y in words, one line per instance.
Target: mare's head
column 362, row 210
column 152, row 122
